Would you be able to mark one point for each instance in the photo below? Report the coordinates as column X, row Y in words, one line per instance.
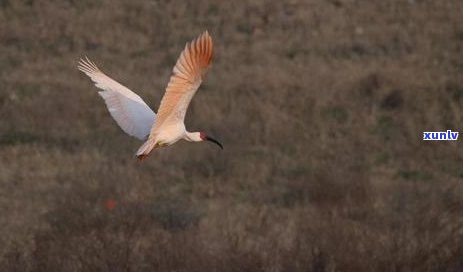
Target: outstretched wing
column 187, row 76
column 127, row 108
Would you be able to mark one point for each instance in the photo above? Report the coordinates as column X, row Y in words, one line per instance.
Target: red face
column 203, row 135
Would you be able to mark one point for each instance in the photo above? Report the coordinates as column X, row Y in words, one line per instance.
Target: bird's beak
column 214, row 141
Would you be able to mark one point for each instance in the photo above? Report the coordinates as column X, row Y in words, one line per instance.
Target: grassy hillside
column 320, row 105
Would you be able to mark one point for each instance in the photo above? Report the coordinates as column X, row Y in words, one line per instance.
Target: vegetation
column 320, row 105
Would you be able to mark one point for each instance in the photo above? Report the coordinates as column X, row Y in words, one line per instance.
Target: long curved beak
column 210, row 139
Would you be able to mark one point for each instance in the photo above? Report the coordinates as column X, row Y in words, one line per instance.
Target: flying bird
column 136, row 118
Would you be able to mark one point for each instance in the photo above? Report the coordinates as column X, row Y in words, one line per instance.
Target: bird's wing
column 127, row 108
column 187, row 76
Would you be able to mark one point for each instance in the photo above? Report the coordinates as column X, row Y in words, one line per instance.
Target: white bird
column 138, row 120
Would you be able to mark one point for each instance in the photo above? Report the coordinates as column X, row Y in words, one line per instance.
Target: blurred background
column 320, row 105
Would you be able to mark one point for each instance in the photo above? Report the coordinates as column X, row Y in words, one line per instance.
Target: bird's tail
column 145, row 149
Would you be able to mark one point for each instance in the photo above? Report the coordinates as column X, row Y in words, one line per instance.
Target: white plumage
column 137, row 119
column 127, row 108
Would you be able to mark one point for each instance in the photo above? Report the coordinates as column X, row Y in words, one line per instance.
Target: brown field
column 320, row 105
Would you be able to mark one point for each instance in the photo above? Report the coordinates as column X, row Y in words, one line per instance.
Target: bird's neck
column 192, row 136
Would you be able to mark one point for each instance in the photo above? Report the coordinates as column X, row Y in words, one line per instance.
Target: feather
column 129, row 111
column 185, row 81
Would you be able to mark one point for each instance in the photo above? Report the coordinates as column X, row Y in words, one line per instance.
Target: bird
column 137, row 119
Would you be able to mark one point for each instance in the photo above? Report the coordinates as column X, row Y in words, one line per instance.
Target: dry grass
column 321, row 106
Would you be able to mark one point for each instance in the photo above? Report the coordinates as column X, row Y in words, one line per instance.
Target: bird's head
column 205, row 137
